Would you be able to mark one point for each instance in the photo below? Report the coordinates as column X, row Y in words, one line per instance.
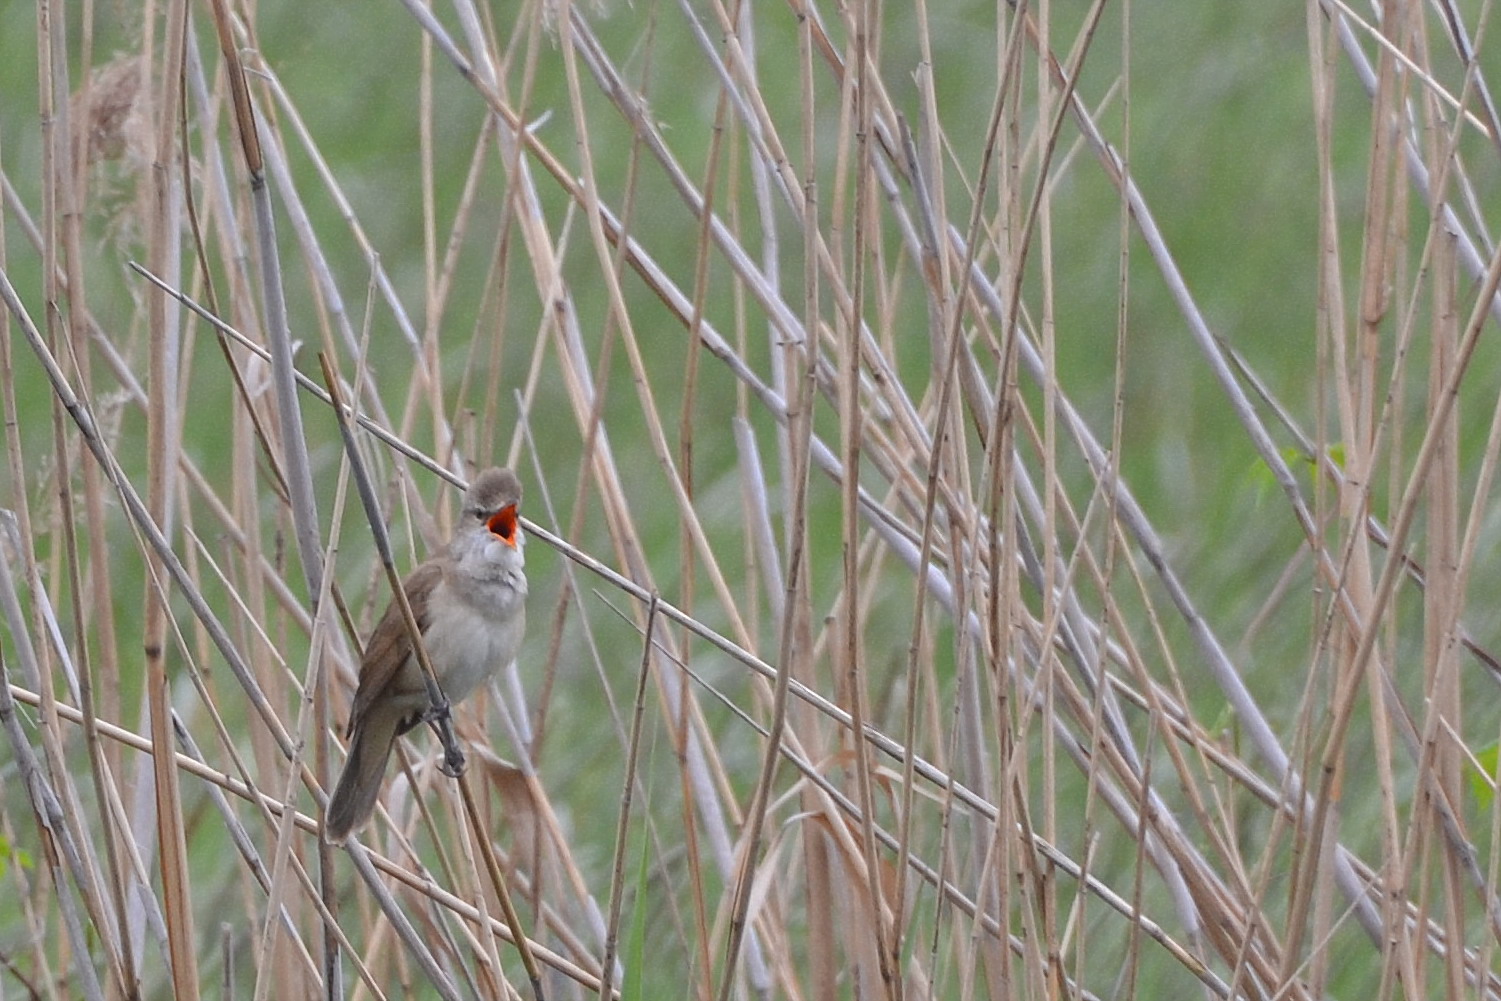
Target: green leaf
column 1481, row 778
column 1263, row 482
column 10, row 853
column 635, row 968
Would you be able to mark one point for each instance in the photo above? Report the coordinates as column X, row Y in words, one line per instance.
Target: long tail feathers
column 354, row 797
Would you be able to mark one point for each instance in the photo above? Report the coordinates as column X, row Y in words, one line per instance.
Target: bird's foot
column 440, row 718
column 453, row 761
column 437, row 715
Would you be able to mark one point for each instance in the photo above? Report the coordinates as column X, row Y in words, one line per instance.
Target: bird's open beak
column 503, row 524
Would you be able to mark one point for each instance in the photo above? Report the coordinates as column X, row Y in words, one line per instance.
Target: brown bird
column 470, row 606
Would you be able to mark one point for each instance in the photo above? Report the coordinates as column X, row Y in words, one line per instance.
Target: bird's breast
column 472, row 636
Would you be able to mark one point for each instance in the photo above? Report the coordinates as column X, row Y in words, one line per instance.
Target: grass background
column 1214, row 108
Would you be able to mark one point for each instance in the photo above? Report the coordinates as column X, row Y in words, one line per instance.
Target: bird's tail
column 354, row 797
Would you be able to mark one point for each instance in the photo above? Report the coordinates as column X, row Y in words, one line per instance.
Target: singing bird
column 469, row 603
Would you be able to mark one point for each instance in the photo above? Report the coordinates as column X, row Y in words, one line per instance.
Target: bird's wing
column 390, row 645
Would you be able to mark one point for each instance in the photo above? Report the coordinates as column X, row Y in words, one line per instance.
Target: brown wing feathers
column 389, row 645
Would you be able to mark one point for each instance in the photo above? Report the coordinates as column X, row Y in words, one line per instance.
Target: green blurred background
column 1221, row 142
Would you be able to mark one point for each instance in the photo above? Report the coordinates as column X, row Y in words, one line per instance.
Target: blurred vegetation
column 1220, row 136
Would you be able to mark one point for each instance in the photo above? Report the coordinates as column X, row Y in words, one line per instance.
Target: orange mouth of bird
column 503, row 525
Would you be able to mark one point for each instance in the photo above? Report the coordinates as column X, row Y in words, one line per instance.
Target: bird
column 469, row 603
